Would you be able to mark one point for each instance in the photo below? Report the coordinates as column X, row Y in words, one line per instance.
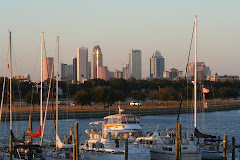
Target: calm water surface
column 215, row 123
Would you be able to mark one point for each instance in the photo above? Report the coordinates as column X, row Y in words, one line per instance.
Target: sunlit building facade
column 103, row 73
column 96, row 61
column 82, row 64
column 135, row 63
column 157, row 65
column 48, row 68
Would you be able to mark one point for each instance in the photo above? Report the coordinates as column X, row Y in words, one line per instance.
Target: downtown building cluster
column 81, row 69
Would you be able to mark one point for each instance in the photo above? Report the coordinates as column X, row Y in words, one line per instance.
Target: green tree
column 226, row 93
column 82, row 98
column 168, row 94
column 33, row 97
column 139, row 95
column 154, row 95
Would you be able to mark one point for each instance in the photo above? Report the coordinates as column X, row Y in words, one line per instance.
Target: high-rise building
column 74, row 69
column 22, row 78
column 172, row 74
column 89, row 70
column 48, row 68
column 82, row 64
column 103, row 73
column 66, row 72
column 135, row 63
column 157, row 65
column 118, row 74
column 203, row 72
column 126, row 71
column 96, row 60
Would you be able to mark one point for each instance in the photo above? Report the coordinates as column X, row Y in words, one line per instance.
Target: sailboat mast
column 57, row 91
column 10, row 70
column 41, row 99
column 195, row 77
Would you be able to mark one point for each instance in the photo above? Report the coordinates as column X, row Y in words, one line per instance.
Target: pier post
column 76, row 138
column 71, row 134
column 233, row 148
column 126, row 149
column 65, row 139
column 29, row 137
column 178, row 142
column 74, row 149
column 225, row 147
column 10, row 146
column 30, row 123
column 23, row 136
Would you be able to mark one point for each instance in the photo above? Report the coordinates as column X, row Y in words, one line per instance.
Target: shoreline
column 96, row 112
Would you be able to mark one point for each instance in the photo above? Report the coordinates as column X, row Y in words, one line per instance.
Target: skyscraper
column 48, row 68
column 96, row 60
column 125, row 71
column 203, row 72
column 82, row 64
column 66, row 72
column 157, row 65
column 74, row 69
column 135, row 63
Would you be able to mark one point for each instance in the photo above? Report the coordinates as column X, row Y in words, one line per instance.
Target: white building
column 125, row 71
column 96, row 60
column 82, row 64
column 157, row 65
column 48, row 68
column 135, row 63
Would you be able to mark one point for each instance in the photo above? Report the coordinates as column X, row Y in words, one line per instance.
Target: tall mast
column 10, row 70
column 41, row 99
column 195, row 77
column 97, row 62
column 57, row 91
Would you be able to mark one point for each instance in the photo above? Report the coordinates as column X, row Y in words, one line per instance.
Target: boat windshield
column 130, row 120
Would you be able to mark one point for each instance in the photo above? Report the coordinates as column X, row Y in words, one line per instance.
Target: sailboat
column 62, row 151
column 163, row 145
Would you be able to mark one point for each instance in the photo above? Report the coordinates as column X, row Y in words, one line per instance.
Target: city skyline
column 147, row 26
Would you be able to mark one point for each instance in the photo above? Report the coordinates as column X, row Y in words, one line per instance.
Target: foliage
column 33, row 97
column 167, row 94
column 139, row 95
column 82, row 98
column 226, row 93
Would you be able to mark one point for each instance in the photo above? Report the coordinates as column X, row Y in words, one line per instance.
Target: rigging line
column 179, row 111
column 4, row 82
column 45, row 116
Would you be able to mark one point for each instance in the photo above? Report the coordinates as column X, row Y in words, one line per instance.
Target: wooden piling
column 10, row 147
column 30, row 123
column 126, row 149
column 29, row 137
column 23, row 136
column 233, row 148
column 76, row 137
column 65, row 139
column 178, row 142
column 225, row 147
column 74, row 149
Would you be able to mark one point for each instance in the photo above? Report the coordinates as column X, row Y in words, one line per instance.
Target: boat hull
column 155, row 155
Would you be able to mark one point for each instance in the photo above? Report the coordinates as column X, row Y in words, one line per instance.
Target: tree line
column 108, row 92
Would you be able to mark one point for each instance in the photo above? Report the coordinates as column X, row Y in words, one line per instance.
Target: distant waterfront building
column 48, row 68
column 74, row 69
column 66, row 72
column 96, row 61
column 82, row 64
column 118, row 74
column 126, row 71
column 22, row 78
column 135, row 63
column 103, row 73
column 173, row 73
column 111, row 75
column 157, row 65
column 203, row 72
column 225, row 77
column 89, row 70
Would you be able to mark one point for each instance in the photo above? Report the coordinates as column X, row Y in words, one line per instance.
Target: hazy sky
column 118, row 26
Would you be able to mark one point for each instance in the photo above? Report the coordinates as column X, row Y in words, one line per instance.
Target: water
column 215, row 123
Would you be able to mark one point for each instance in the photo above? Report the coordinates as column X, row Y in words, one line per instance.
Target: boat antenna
column 185, row 78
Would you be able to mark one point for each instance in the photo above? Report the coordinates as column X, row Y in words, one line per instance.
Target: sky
column 118, row 26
